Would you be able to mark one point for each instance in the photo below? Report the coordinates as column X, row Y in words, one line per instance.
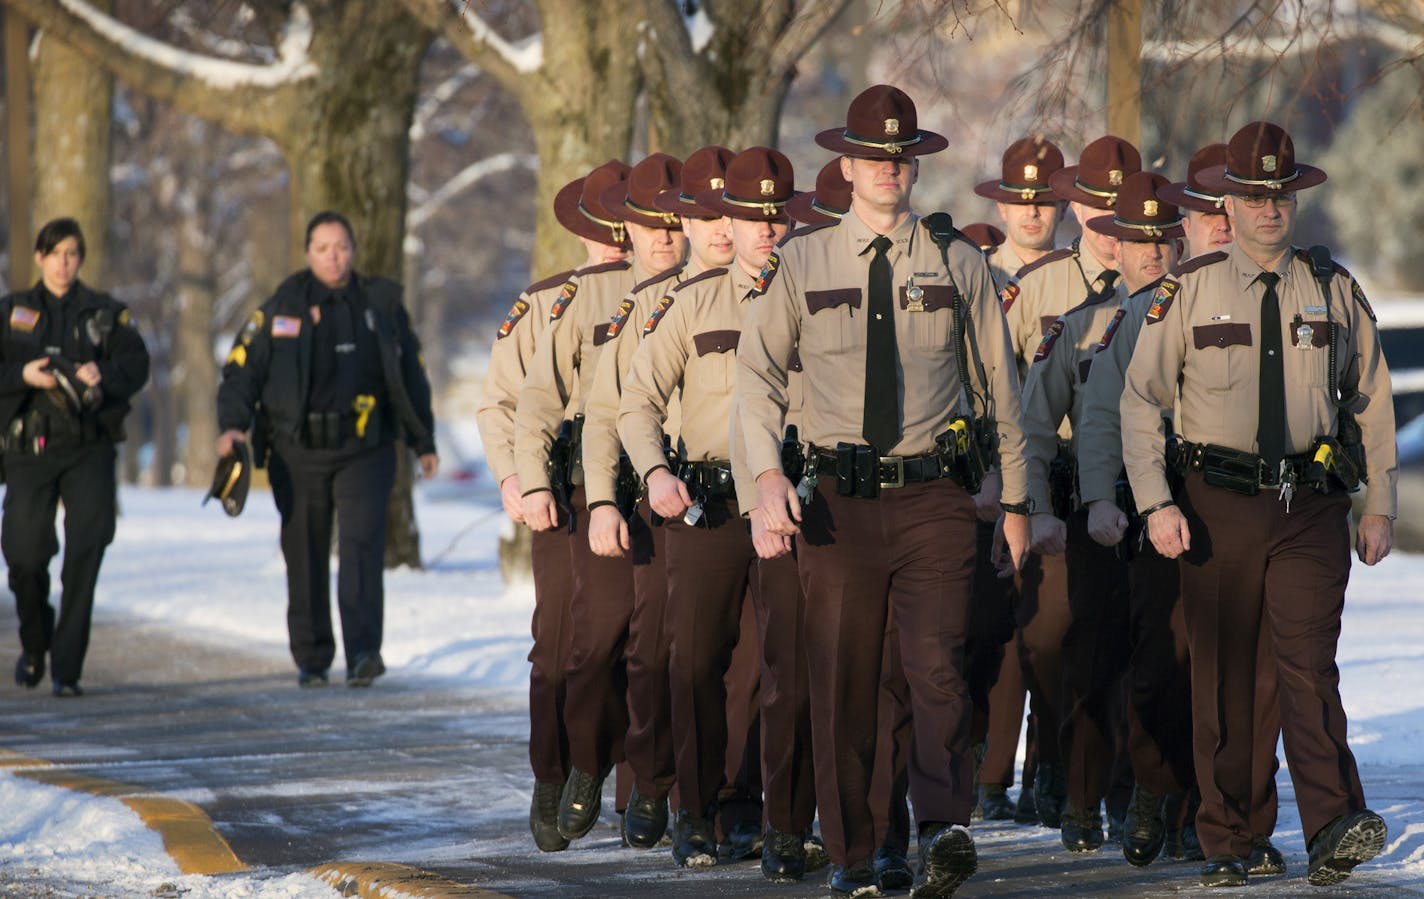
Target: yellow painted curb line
column 188, row 833
column 383, row 880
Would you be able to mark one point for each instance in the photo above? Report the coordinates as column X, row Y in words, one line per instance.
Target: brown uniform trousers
column 1255, row 571
column 718, row 742
column 597, row 676
column 1095, row 654
column 1042, row 616
column 552, row 628
column 911, row 550
column 890, row 780
column 992, row 667
column 648, row 744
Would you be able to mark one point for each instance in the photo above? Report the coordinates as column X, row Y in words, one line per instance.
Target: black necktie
column 1271, row 423
column 882, row 400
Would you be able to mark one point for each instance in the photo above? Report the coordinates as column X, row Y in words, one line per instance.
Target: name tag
column 346, row 347
column 1221, row 318
column 1315, row 310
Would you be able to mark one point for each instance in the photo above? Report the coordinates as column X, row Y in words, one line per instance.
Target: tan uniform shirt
column 509, row 362
column 1202, row 331
column 1054, row 389
column 1004, row 263
column 564, row 360
column 1043, row 290
column 601, row 446
column 1099, row 430
column 691, row 350
column 813, row 294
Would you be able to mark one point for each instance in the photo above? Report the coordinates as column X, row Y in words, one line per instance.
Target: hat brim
column 799, row 208
column 1176, row 194
column 671, row 201
column 990, row 190
column 1105, row 224
column 566, row 212
column 67, row 384
column 1064, row 184
column 1214, row 179
column 712, row 199
column 232, row 480
column 833, row 139
column 616, row 197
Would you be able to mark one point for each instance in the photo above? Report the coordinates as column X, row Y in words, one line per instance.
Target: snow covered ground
column 190, row 569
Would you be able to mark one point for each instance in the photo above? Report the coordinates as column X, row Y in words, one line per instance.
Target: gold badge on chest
column 914, row 296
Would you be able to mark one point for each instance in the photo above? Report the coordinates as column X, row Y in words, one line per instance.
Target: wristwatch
column 1022, row 508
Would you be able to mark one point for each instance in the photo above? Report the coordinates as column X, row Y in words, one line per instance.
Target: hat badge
column 1115, row 177
column 1030, row 173
column 1268, row 163
column 892, row 127
column 768, row 187
column 1149, row 208
column 716, row 184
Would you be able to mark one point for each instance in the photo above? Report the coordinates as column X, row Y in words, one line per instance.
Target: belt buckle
column 899, row 464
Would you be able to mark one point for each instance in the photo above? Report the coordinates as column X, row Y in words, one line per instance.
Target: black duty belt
column 708, row 481
column 1238, row 471
column 890, row 471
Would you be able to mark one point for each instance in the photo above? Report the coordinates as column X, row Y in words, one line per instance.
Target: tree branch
column 508, row 64
column 232, row 94
column 809, row 22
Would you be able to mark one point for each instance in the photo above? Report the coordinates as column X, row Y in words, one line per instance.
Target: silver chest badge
column 1305, row 335
column 915, row 296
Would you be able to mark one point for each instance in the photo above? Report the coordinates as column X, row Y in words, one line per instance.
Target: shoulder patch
column 1045, row 346
column 1009, row 294
column 1162, row 299
column 237, row 356
column 566, row 297
column 286, row 326
column 125, row 318
column 618, row 266
column 1110, row 330
column 1201, row 261
column 24, row 318
column 699, row 277
column 252, row 328
column 768, row 273
column 620, row 318
column 551, row 281
column 659, row 311
column 516, row 312
column 1359, row 296
column 1040, row 262
column 663, row 275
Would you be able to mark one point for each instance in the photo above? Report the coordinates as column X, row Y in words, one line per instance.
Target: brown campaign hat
column 705, row 169
column 1139, row 214
column 1027, row 165
column 634, row 198
column 1191, row 193
column 1100, row 171
column 827, row 203
column 984, row 235
column 881, row 124
column 578, row 206
column 759, row 183
column 1260, row 162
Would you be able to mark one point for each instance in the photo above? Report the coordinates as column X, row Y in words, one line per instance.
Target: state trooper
column 1031, row 212
column 1259, row 520
column 554, row 392
column 1096, row 645
column 604, row 242
column 888, row 522
column 619, row 527
column 1032, row 301
column 689, row 348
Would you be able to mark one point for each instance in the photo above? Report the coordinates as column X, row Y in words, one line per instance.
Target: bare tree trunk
column 17, row 147
column 73, row 107
column 195, row 368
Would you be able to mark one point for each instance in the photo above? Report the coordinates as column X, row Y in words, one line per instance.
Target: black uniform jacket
column 269, row 367
column 102, row 332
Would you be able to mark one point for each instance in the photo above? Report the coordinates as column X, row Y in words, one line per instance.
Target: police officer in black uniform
column 70, row 360
column 328, row 374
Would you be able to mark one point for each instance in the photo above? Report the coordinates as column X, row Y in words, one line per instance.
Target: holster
column 557, row 466
column 1063, row 482
column 857, row 471
column 967, row 440
column 627, row 488
column 793, row 455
